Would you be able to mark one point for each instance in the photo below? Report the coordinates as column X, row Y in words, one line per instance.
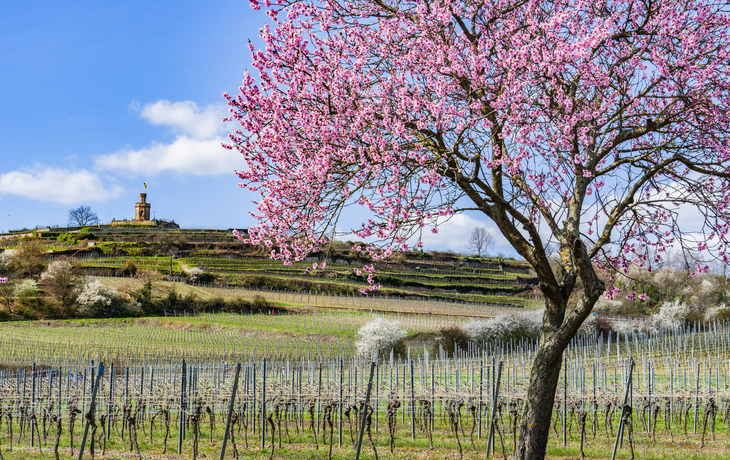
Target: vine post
column 92, row 407
column 231, row 404
column 619, row 432
column 365, row 411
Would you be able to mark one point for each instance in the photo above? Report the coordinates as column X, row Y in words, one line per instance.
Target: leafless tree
column 60, row 279
column 685, row 259
column 6, row 294
column 168, row 243
column 28, row 261
column 480, row 240
column 81, row 216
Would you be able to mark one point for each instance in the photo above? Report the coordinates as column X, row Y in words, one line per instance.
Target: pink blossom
column 359, row 104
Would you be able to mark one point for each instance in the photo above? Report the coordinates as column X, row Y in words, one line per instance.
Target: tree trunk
column 538, row 411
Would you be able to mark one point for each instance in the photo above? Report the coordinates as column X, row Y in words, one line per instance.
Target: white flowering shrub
column 5, row 258
column 668, row 275
column 502, row 327
column 707, row 286
column 671, row 315
column 58, row 269
column 720, row 312
column 96, row 300
column 59, row 280
column 627, row 327
column 195, row 274
column 26, row 289
column 132, row 307
column 378, row 337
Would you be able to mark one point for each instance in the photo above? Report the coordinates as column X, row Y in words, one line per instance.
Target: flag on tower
column 145, row 185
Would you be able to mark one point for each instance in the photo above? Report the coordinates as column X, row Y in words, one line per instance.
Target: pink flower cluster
column 592, row 120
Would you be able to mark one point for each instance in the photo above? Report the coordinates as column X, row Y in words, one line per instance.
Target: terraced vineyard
column 227, row 261
column 490, row 286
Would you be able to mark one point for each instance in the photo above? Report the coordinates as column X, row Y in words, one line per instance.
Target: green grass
column 174, row 339
column 161, row 264
column 338, row 279
column 301, row 445
column 219, row 336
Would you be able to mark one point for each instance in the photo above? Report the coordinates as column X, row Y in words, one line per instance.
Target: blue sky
column 100, row 97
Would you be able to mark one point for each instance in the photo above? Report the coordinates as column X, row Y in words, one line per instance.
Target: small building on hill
column 142, row 212
column 142, row 209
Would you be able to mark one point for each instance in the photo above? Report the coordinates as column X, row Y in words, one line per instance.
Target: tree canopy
column 591, row 122
column 81, row 216
column 480, row 240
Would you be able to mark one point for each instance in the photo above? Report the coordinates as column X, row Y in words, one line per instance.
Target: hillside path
column 184, row 267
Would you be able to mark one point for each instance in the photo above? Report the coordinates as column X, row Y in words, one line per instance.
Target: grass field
column 301, row 447
column 675, row 378
column 301, row 363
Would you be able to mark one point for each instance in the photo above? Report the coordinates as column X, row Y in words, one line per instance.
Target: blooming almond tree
column 592, row 122
column 378, row 336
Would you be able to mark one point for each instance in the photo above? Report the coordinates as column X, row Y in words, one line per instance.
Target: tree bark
column 538, row 410
column 558, row 328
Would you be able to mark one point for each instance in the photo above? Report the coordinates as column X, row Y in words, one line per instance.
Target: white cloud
column 454, row 235
column 183, row 156
column 58, row 185
column 195, row 151
column 186, row 117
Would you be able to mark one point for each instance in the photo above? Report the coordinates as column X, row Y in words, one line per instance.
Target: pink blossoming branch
column 594, row 123
column 326, row 125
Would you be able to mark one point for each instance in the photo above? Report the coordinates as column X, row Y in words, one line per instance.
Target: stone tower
column 142, row 209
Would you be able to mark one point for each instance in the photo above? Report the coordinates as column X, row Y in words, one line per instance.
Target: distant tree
column 6, row 293
column 83, row 215
column 5, row 258
column 60, row 279
column 27, row 261
column 168, row 244
column 25, row 289
column 684, row 259
column 480, row 240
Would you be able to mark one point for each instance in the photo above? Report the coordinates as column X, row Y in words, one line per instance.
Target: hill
column 213, row 257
